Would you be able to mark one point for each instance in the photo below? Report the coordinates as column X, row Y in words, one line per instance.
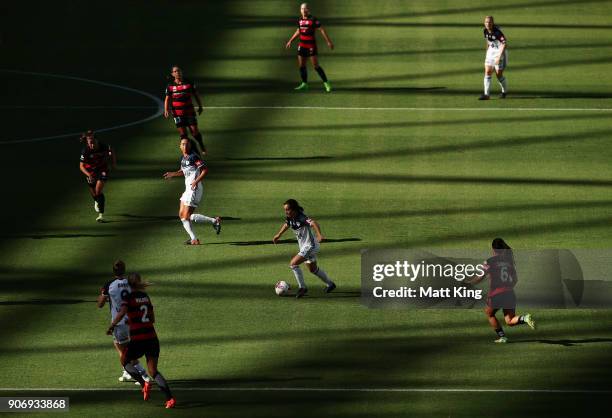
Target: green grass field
column 417, row 163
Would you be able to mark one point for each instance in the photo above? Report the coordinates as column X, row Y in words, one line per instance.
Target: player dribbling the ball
column 496, row 59
column 501, row 272
column 194, row 170
column 94, row 161
column 302, row 226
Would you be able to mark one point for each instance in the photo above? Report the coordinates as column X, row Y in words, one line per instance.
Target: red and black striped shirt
column 96, row 159
column 180, row 98
column 140, row 316
column 307, row 31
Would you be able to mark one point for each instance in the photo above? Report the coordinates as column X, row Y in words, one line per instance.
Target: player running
column 501, row 272
column 143, row 338
column 179, row 94
column 308, row 46
column 115, row 291
column 194, row 170
column 94, row 164
column 309, row 246
column 496, row 59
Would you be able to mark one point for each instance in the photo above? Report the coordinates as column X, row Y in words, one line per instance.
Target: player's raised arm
column 282, row 230
column 295, row 35
column 330, row 44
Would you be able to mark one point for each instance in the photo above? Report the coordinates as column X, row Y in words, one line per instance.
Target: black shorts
column 185, row 121
column 139, row 348
column 101, row 174
column 307, row 52
column 506, row 300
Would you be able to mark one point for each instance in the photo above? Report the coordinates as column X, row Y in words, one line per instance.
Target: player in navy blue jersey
column 94, row 160
column 496, row 58
column 501, row 272
column 307, row 24
column 194, row 170
column 301, row 225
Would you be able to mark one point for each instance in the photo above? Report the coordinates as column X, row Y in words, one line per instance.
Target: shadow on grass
column 45, row 302
column 57, row 236
column 566, row 342
column 282, row 241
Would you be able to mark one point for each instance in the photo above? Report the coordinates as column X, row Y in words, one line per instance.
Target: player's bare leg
column 502, row 82
column 315, row 63
column 303, row 74
column 490, row 312
column 487, row 83
column 185, row 215
column 512, row 319
column 294, row 265
column 314, row 269
column 195, row 132
column 160, row 380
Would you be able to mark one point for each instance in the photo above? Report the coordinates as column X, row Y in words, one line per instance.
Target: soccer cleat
column 192, row 242
column 217, row 225
column 301, row 292
column 327, row 86
column 302, row 87
column 96, row 207
column 330, row 288
column 530, row 321
column 484, row 97
column 170, row 403
column 502, row 95
column 501, row 340
column 146, row 389
column 100, row 218
column 125, row 377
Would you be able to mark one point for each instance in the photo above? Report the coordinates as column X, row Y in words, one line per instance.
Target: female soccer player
column 496, row 58
column 94, row 165
column 308, row 46
column 194, row 170
column 143, row 338
column 501, row 272
column 309, row 246
column 179, row 93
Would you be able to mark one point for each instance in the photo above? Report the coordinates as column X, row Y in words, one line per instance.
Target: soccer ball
column 281, row 288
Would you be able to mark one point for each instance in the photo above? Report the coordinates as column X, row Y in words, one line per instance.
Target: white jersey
column 192, row 166
column 117, row 291
column 301, row 227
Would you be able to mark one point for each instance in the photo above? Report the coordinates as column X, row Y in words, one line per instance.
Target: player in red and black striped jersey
column 94, row 160
column 501, row 272
column 179, row 104
column 143, row 338
column 307, row 47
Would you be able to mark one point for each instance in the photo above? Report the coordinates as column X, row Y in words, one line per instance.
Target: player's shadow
column 314, row 157
column 566, row 342
column 401, row 90
column 146, row 218
column 45, row 302
column 282, row 241
column 58, row 236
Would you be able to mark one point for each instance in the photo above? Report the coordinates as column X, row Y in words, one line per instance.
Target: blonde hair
column 136, row 283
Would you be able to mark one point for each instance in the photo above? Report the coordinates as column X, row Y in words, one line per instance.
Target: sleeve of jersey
column 200, row 164
column 316, row 23
column 501, row 36
column 104, row 288
column 309, row 221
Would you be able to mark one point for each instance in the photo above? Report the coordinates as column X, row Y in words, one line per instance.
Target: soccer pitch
column 399, row 155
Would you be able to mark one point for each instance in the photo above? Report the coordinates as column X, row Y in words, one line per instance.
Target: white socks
column 502, row 83
column 187, row 226
column 323, row 276
column 487, row 85
column 299, row 276
column 197, row 218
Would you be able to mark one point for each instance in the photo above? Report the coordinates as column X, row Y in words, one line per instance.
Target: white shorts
column 121, row 334
column 309, row 253
column 492, row 54
column 192, row 197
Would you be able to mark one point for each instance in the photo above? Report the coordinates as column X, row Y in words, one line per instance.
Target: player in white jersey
column 115, row 292
column 194, row 170
column 496, row 59
column 308, row 244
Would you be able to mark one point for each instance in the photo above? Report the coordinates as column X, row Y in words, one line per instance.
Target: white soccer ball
column 281, row 288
